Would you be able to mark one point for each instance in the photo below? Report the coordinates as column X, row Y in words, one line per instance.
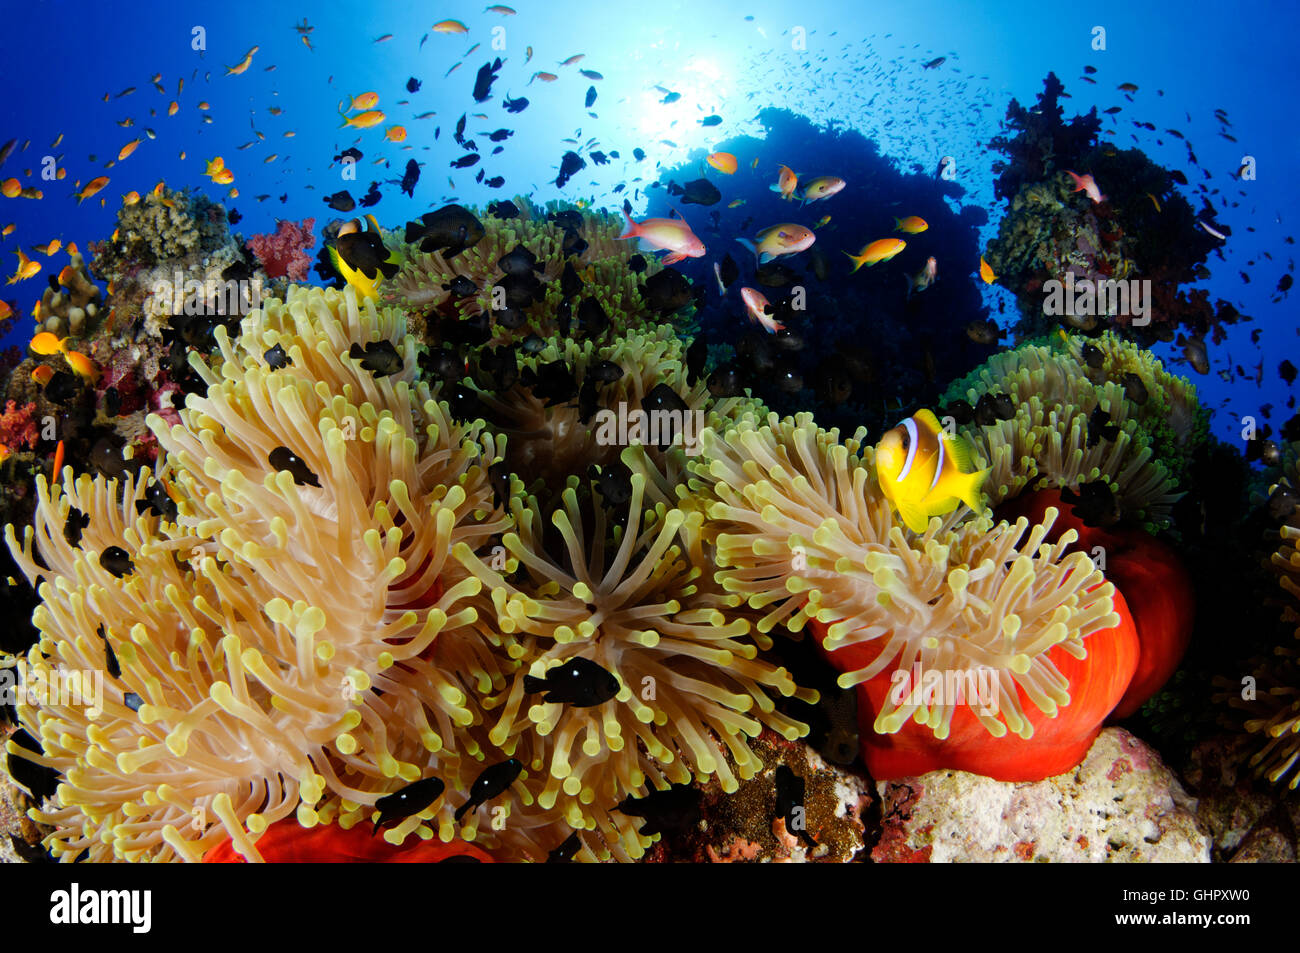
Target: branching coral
column 274, row 642
column 1048, row 442
column 805, row 535
column 639, row 600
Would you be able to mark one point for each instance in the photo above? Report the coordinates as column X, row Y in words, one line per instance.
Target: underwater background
column 435, row 203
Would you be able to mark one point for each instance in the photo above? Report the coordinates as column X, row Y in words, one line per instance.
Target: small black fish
column 573, row 243
column 592, row 318
column 675, row 810
column 1094, row 503
column 570, row 281
column 520, row 290
column 471, row 331
column 1282, row 503
column 961, row 411
column 671, row 98
column 282, row 458
column 341, row 201
column 570, row 846
column 41, row 781
column 696, row 356
column 606, row 372
column 498, row 367
column 495, row 182
column 637, row 264
column 667, row 290
column 1100, row 428
column 514, row 105
column 994, row 407
column 459, row 134
column 1286, row 370
column 77, row 521
column 936, row 62
column 442, row 364
column 61, row 388
column 598, row 157
column 1284, row 283
column 233, row 216
column 591, row 96
column 276, row 358
column 132, row 701
column 512, row 319
column 378, row 357
column 533, row 344
column 518, row 261
column 413, row 85
column 614, row 481
column 1093, row 356
column 352, row 153
column 407, row 801
column 504, row 209
column 493, row 781
column 577, row 682
column 366, row 252
column 570, row 165
column 551, row 383
column 157, row 501
column 111, row 664
column 372, row 196
column 410, row 177
column 500, row 135
column 664, row 399
column 713, row 120
column 1134, row 389
column 116, row 561
column 697, row 192
column 460, row 287
column 790, row 793
column 465, row 161
column 112, row 402
column 499, row 479
column 451, row 229
column 638, row 154
column 487, row 75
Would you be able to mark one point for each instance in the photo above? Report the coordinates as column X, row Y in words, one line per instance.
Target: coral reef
column 283, row 253
column 73, row 307
column 164, row 224
column 18, row 428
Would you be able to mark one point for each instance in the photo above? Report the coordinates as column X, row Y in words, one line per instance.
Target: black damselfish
column 407, row 801
column 577, row 682
column 491, row 782
column 282, row 458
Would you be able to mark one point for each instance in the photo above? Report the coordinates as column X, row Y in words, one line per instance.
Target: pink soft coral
column 18, row 427
column 283, row 252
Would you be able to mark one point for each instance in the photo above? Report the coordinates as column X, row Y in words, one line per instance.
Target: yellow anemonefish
column 880, row 250
column 364, row 286
column 923, row 472
column 986, row 272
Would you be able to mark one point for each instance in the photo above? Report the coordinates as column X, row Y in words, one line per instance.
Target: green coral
column 163, row 225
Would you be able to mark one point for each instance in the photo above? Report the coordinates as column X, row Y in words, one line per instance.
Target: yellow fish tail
column 858, row 261
column 969, row 488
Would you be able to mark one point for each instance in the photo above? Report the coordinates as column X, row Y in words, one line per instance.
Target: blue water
column 860, row 65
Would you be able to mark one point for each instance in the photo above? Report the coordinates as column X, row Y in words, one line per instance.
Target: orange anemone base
column 1155, row 585
column 1058, row 744
column 288, row 842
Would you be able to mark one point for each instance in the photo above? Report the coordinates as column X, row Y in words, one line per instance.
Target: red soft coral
column 283, row 252
column 18, row 427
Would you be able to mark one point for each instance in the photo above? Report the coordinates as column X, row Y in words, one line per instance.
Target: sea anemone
column 1048, row 441
column 804, row 533
column 635, row 596
column 266, row 646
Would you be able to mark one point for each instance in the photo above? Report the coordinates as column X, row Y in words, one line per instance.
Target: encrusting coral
column 250, row 631
column 803, row 532
column 75, row 304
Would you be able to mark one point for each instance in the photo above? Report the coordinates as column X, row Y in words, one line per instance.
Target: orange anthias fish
column 450, row 26
column 395, row 134
column 364, row 101
column 42, row 374
column 364, row 120
column 787, row 183
column 822, row 187
column 757, row 306
column 912, row 225
column 10, row 188
column 667, row 234
column 130, row 198
column 880, row 250
column 1085, row 184
column 785, row 239
column 986, row 272
column 724, row 162
column 45, row 344
column 544, row 77
column 92, row 188
column 27, row 268
column 573, row 59
column 82, row 365
column 127, row 149
column 58, row 461
column 218, row 172
column 243, row 64
column 174, row 108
